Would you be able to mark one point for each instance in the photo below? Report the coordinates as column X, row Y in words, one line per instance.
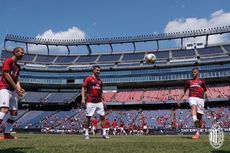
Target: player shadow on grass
column 187, row 137
column 220, row 151
column 96, row 137
column 15, row 150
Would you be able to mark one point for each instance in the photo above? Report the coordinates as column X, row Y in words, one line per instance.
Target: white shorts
column 8, row 99
column 94, row 128
column 199, row 102
column 92, row 107
column 121, row 128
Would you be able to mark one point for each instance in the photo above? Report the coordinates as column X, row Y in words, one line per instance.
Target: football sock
column 86, row 131
column 194, row 117
column 103, row 131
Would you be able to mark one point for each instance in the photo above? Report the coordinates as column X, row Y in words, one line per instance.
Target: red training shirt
column 196, row 88
column 94, row 89
column 13, row 68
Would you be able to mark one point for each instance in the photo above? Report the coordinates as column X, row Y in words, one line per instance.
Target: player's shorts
column 121, row 128
column 92, row 107
column 199, row 102
column 8, row 99
column 94, row 127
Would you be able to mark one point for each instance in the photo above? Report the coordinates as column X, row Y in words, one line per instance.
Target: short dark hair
column 16, row 49
column 95, row 66
column 195, row 68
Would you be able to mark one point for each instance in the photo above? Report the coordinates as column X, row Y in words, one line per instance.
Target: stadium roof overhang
column 118, row 40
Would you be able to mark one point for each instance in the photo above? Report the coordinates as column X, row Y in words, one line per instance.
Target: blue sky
column 69, row 19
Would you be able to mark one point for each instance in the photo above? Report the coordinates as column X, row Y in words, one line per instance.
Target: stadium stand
column 65, row 59
column 52, row 80
column 47, row 97
column 210, row 50
column 109, row 58
column 183, row 53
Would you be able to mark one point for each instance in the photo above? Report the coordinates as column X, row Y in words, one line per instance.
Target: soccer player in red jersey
column 94, row 125
column 197, row 93
column 95, row 100
column 114, row 124
column 107, row 126
column 10, row 90
column 122, row 127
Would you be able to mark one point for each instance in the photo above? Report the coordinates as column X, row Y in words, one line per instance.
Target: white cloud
column 216, row 19
column 71, row 33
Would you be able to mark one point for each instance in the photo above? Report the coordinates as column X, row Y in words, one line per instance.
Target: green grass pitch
column 54, row 143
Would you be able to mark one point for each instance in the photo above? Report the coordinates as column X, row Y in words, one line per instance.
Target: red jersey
column 114, row 124
column 94, row 89
column 94, row 122
column 121, row 124
column 107, row 124
column 13, row 68
column 196, row 88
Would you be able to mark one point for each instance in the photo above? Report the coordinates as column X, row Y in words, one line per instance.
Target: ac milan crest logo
column 216, row 136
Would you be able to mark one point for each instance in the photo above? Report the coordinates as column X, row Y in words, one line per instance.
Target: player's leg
column 107, row 131
column 196, row 121
column 102, row 117
column 4, row 103
column 194, row 115
column 200, row 112
column 90, row 109
column 114, row 131
column 93, row 130
column 13, row 114
column 199, row 126
column 101, row 112
column 9, row 125
column 123, row 130
column 193, row 104
column 86, row 126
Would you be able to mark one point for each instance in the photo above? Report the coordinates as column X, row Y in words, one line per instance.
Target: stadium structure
column 135, row 92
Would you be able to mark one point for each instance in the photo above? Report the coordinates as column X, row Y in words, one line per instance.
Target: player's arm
column 83, row 90
column 19, row 86
column 11, row 82
column 182, row 96
column 102, row 96
column 206, row 91
column 82, row 95
column 205, row 95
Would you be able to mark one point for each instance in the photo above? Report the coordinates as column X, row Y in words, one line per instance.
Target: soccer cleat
column 86, row 137
column 105, row 137
column 9, row 136
column 195, row 137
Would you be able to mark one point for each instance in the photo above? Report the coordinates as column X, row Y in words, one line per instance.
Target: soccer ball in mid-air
column 150, row 58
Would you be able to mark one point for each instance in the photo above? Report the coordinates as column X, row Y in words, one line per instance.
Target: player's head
column 96, row 70
column 195, row 72
column 18, row 52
